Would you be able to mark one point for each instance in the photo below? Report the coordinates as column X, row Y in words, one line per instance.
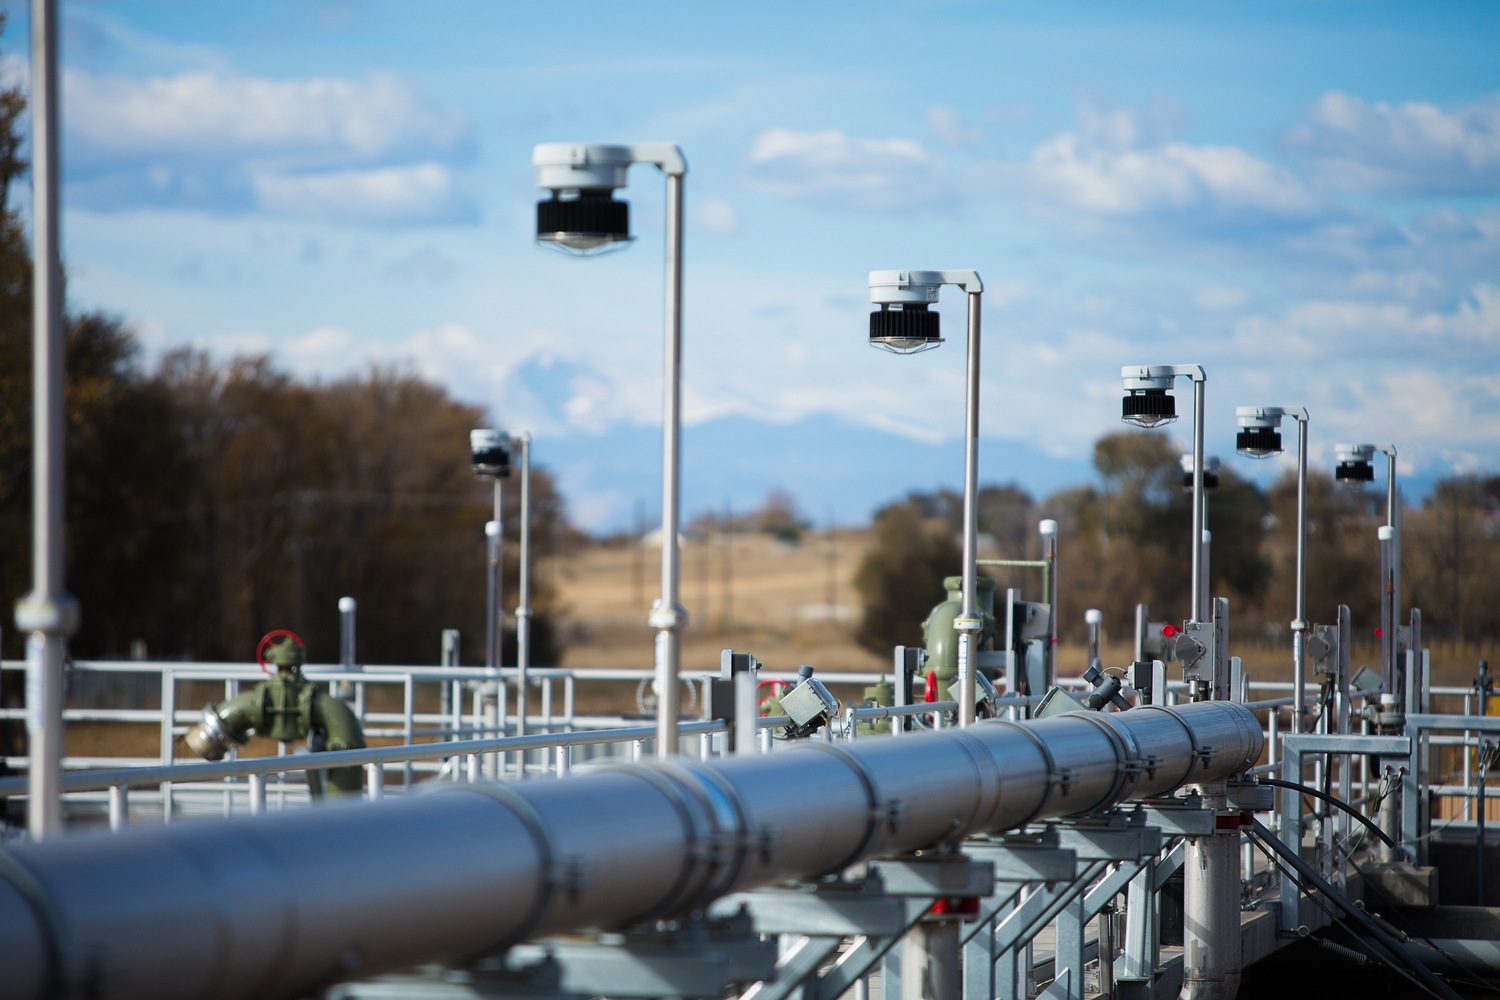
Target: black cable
column 1395, row 908
column 1386, row 942
column 1331, row 801
column 1333, row 914
column 1349, row 856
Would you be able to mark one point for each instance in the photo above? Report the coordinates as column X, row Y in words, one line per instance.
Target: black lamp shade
column 491, row 463
column 911, row 328
column 1355, row 472
column 1148, row 407
column 594, row 213
column 1258, row 442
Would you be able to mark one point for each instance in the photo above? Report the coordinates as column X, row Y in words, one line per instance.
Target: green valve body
column 287, row 708
column 941, row 637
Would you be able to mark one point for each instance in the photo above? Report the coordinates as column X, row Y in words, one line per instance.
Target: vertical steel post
column 969, row 624
column 1299, row 619
column 1048, row 530
column 523, row 595
column 1141, row 614
column 930, row 961
column 494, row 616
column 48, row 613
column 1393, row 520
column 1197, row 584
column 119, row 807
column 347, row 606
column 746, row 713
column 1211, row 909
column 667, row 616
column 1385, row 534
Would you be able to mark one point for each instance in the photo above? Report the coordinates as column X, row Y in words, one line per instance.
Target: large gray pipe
column 276, row 906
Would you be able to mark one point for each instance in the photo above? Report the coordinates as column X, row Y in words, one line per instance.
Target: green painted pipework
column 942, row 639
column 288, row 708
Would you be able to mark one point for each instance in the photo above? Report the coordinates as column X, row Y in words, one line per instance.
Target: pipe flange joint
column 57, row 615
column 968, row 624
column 667, row 619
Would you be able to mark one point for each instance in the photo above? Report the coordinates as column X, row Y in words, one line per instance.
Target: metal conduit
column 276, row 906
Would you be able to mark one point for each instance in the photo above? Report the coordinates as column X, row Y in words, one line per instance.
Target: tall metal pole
column 1393, row 519
column 667, row 616
column 494, row 533
column 1048, row 530
column 1198, row 609
column 523, row 596
column 48, row 613
column 969, row 624
column 1299, row 621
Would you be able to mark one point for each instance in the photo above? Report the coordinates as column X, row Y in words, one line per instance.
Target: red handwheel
column 260, row 650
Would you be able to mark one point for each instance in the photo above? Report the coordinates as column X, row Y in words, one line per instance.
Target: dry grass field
column 793, row 604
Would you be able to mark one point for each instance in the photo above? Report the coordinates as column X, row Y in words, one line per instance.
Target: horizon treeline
column 1127, row 541
column 210, row 502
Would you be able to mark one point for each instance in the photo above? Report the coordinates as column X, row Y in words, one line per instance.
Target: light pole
column 1259, row 437
column 904, row 325
column 48, row 613
column 523, row 595
column 583, row 217
column 490, row 456
column 1355, row 468
column 1210, row 484
column 1147, row 404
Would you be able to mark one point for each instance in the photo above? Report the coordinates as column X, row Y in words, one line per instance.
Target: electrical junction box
column 1322, row 649
column 807, row 702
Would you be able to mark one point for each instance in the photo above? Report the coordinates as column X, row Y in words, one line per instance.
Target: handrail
column 134, row 777
column 923, row 708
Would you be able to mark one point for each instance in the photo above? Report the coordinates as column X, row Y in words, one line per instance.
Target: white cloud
column 359, row 151
column 422, row 193
column 714, row 216
column 1124, row 162
column 1413, row 148
column 303, row 123
column 832, row 170
column 952, row 129
column 1221, row 297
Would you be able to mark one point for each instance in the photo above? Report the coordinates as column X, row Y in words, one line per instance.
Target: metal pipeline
column 277, row 906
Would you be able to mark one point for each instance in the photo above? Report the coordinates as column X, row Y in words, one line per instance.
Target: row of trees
column 1127, row 540
column 211, row 502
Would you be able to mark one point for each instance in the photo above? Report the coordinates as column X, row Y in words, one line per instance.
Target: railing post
column 119, row 807
column 408, row 705
column 168, row 738
column 473, row 768
column 375, row 781
column 258, row 794
column 564, row 760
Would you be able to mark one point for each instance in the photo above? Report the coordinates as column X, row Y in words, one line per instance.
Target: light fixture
column 583, row 218
column 489, row 453
column 904, row 324
column 910, row 328
column 1148, row 404
column 1356, row 464
column 1260, row 437
column 1355, row 468
column 1147, row 401
column 1210, row 472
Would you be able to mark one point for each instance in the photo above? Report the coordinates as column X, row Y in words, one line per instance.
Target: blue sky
column 1300, row 196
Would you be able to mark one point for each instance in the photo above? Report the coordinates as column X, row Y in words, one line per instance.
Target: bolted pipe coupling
column 210, row 739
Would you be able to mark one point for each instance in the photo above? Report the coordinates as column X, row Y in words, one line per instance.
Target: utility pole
column 48, row 613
